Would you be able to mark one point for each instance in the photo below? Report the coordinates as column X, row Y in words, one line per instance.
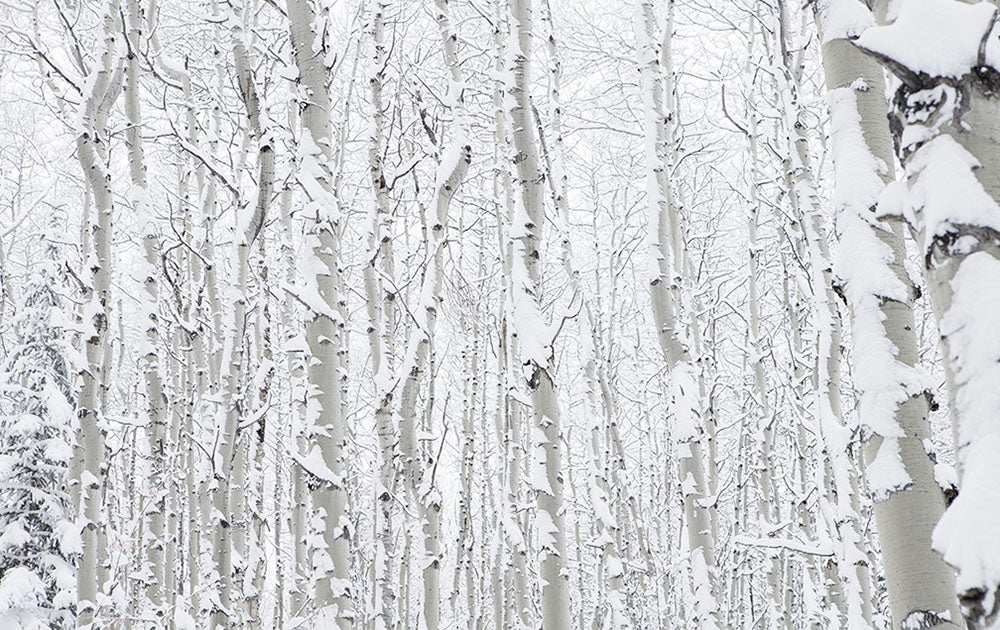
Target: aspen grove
column 499, row 314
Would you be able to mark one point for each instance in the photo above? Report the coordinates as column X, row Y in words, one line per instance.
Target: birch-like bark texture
column 381, row 315
column 604, row 441
column 156, row 420
column 323, row 463
column 880, row 293
column 92, row 149
column 535, row 351
column 841, row 506
column 664, row 241
column 944, row 119
column 419, row 471
column 442, row 314
column 508, row 423
column 769, row 511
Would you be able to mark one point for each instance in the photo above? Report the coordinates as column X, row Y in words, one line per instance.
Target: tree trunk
column 323, row 464
column 664, row 243
column 535, row 345
column 945, row 120
column 880, row 293
column 92, row 150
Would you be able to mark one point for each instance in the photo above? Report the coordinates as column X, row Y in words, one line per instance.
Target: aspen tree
column 781, row 563
column 605, row 483
column 534, row 337
column 943, row 118
column 288, row 510
column 769, row 510
column 229, row 502
column 466, row 543
column 323, row 464
column 148, row 275
column 508, row 423
column 452, row 165
column 188, row 381
column 880, row 292
column 380, row 309
column 103, row 86
column 664, row 243
column 840, row 505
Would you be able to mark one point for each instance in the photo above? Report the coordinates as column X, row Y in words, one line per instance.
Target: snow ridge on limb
column 869, row 282
column 944, row 118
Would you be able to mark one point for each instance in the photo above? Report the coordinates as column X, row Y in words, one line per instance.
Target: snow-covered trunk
column 196, row 376
column 228, row 359
column 535, row 340
column 195, row 365
column 262, row 434
column 945, row 114
column 294, row 347
column 228, row 462
column 840, row 506
column 380, row 311
column 663, row 242
column 467, row 543
column 627, row 509
column 173, row 588
column 508, row 424
column 778, row 562
column 103, row 86
column 250, row 221
column 180, row 400
column 605, row 484
column 880, row 293
column 768, row 506
column 287, row 511
column 229, row 495
column 153, row 575
column 323, row 464
column 453, row 162
column 213, row 349
column 829, row 600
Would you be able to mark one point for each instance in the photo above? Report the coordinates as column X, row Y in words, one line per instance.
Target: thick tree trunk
column 880, row 293
column 947, row 135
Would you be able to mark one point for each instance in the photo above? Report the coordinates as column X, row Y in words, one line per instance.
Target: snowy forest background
column 499, row 314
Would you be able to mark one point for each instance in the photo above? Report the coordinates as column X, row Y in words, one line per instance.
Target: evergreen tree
column 37, row 541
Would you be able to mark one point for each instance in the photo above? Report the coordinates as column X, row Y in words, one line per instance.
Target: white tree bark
column 453, row 163
column 323, row 464
column 535, row 341
column 508, row 423
column 92, row 150
column 665, row 252
column 840, row 505
column 908, row 501
column 381, row 315
column 945, row 122
column 153, row 574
